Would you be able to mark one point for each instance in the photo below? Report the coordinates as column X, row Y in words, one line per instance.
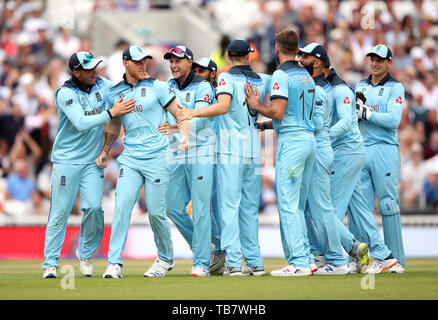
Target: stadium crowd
column 34, row 49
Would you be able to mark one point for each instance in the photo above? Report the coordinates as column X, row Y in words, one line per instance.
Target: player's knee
column 389, row 206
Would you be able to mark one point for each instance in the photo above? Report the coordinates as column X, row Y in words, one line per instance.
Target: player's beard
column 309, row 68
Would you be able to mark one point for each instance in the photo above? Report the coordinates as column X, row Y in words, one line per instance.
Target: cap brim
column 168, row 55
column 200, row 65
column 141, row 58
column 91, row 65
column 376, row 54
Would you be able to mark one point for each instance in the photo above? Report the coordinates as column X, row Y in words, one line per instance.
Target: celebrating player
column 292, row 99
column 81, row 110
column 379, row 104
column 143, row 161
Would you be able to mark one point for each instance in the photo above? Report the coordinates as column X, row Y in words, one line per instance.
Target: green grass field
column 23, row 280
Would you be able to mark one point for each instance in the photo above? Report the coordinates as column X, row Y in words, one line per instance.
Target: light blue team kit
column 77, row 144
column 192, row 172
column 142, row 162
column 238, row 169
column 380, row 174
column 296, row 150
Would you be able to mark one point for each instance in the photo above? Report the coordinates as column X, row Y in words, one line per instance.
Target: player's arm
column 183, row 125
column 319, row 107
column 394, row 109
column 68, row 102
column 111, row 133
column 279, row 94
column 343, row 98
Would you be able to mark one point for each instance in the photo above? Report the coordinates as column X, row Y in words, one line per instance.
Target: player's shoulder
column 321, row 81
column 118, row 88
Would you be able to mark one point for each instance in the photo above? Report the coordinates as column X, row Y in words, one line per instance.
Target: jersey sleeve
column 164, row 94
column 394, row 109
column 225, row 84
column 320, row 105
column 67, row 100
column 279, row 86
column 343, row 97
column 204, row 95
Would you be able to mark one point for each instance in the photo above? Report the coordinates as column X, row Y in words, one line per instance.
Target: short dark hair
column 287, row 41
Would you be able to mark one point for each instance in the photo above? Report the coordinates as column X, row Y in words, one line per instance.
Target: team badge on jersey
column 381, row 91
column 98, row 96
column 83, row 101
column 69, row 102
column 120, row 95
column 188, row 97
column 143, row 92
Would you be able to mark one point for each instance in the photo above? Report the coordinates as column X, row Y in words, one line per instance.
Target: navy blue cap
column 180, row 52
column 82, row 60
column 382, row 51
column 135, row 53
column 239, row 48
column 318, row 51
column 206, row 63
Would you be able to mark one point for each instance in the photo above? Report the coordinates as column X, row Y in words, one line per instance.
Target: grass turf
column 22, row 279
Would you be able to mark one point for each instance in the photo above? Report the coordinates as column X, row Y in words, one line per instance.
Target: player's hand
column 363, row 112
column 183, row 145
column 122, row 107
column 102, row 159
column 164, row 128
column 183, row 114
column 252, row 95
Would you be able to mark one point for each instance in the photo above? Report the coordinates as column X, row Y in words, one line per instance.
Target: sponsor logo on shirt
column 275, row 86
column 222, row 82
column 399, row 100
column 347, row 100
column 96, row 110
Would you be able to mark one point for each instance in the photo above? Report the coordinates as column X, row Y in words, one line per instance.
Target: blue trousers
column 380, row 177
column 238, row 196
column 319, row 212
column 294, row 163
column 154, row 175
column 347, row 197
column 195, row 182
column 67, row 181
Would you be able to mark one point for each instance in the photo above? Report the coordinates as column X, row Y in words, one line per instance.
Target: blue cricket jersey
column 194, row 93
column 142, row 139
column 293, row 83
column 322, row 110
column 81, row 112
column 386, row 101
column 238, row 133
column 344, row 131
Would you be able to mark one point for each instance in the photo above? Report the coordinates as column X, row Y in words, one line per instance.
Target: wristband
column 107, row 153
column 264, row 126
column 109, row 113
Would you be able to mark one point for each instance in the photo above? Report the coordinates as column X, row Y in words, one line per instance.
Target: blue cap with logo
column 382, row 51
column 83, row 60
column 239, row 48
column 318, row 51
column 135, row 53
column 179, row 52
column 206, row 63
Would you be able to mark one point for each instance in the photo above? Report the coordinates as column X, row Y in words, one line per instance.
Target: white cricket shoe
column 85, row 265
column 200, row 272
column 319, row 261
column 313, row 267
column 379, row 266
column 113, row 271
column 50, row 272
column 354, row 266
column 159, row 268
column 359, row 252
column 397, row 268
column 234, row 272
column 331, row 270
column 291, row 271
column 253, row 271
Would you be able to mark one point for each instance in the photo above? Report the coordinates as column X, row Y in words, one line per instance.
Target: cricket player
column 379, row 105
column 81, row 104
column 319, row 206
column 192, row 173
column 238, row 162
column 142, row 162
column 346, row 188
column 292, row 97
column 207, row 69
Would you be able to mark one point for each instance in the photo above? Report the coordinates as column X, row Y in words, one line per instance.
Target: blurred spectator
column 65, row 43
column 431, row 188
column 412, row 178
column 431, row 149
column 114, row 64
